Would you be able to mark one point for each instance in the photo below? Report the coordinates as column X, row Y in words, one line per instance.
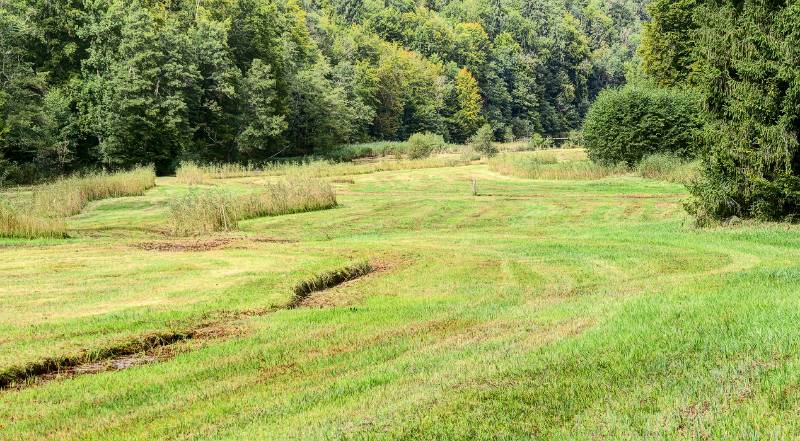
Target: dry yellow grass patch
column 294, row 195
column 553, row 165
column 27, row 226
column 68, row 196
column 190, row 173
column 216, row 210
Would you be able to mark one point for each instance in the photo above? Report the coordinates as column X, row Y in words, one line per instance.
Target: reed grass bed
column 209, row 210
column 202, row 211
column 68, row 196
column 551, row 167
column 189, row 172
column 286, row 196
column 38, row 211
column 14, row 223
column 669, row 168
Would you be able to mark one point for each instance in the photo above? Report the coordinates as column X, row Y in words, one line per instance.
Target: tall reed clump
column 190, row 173
column 68, row 196
column 202, row 212
column 14, row 223
column 321, row 168
column 292, row 195
column 551, row 168
column 215, row 210
column 670, row 168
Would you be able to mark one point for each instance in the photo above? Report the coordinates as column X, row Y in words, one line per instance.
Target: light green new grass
column 536, row 310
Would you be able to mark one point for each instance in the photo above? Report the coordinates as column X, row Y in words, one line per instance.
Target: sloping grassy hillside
column 535, row 310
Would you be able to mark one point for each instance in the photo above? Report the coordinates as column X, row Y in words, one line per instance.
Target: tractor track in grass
column 157, row 347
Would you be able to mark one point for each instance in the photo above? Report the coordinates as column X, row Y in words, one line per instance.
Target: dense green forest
column 743, row 59
column 112, row 83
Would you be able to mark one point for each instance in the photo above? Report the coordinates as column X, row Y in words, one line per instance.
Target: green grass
column 539, row 309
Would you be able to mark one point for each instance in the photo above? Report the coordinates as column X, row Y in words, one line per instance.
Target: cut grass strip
column 88, row 362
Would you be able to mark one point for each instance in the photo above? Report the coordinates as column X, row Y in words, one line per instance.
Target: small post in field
column 474, row 187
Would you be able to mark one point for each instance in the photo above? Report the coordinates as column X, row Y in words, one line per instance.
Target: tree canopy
column 742, row 56
column 113, row 83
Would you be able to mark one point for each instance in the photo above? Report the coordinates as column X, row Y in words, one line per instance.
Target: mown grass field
column 538, row 309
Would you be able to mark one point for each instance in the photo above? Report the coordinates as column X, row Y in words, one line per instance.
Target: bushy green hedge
column 625, row 125
column 421, row 145
column 482, row 141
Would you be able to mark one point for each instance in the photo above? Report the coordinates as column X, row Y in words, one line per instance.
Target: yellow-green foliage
column 215, row 210
column 68, row 196
column 551, row 167
column 14, row 223
column 538, row 142
column 422, row 145
column 294, row 195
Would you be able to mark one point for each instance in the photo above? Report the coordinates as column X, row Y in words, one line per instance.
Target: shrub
column 575, row 140
column 538, row 142
column 421, row 145
column 481, row 141
column 13, row 223
column 469, row 154
column 350, row 152
column 625, row 125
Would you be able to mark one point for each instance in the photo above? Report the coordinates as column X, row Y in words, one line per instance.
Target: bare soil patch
column 272, row 240
column 197, row 245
